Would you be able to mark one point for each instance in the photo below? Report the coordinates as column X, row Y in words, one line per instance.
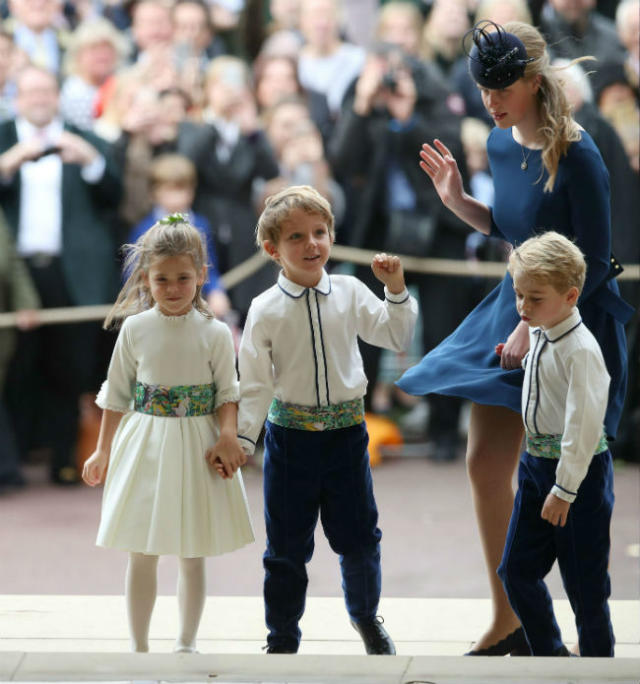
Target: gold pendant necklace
column 525, row 160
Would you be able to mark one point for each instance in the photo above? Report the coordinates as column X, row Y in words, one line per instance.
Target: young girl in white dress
column 169, row 404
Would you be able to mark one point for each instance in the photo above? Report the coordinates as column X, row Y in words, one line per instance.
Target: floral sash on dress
column 178, row 401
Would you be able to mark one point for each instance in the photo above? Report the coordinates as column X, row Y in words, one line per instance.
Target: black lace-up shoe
column 563, row 652
column 375, row 637
column 278, row 648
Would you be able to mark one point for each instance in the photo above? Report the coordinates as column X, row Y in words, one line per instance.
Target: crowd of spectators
column 111, row 111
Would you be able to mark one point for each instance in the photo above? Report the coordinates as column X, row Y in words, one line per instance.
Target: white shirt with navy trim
column 300, row 345
column 565, row 391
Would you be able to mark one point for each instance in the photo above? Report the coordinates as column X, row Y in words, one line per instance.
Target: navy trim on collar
column 564, row 334
column 296, row 291
column 569, row 324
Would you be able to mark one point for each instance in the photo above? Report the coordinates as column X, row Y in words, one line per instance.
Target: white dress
column 161, row 496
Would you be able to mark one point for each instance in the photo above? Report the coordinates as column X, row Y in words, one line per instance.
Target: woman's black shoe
column 514, row 644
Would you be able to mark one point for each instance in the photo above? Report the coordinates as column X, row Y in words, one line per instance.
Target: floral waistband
column 178, row 401
column 317, row 418
column 549, row 446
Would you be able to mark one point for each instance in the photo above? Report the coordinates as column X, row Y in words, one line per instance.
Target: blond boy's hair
column 174, row 169
column 550, row 258
column 278, row 207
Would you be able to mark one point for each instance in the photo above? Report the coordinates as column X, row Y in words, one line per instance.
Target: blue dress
column 465, row 363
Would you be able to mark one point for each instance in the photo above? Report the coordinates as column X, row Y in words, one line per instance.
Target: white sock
column 192, row 594
column 141, row 586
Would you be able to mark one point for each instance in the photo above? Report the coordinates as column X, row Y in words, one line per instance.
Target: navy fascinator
column 496, row 58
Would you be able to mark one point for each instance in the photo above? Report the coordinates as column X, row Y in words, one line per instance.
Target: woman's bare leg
column 141, row 587
column 191, row 597
column 494, row 442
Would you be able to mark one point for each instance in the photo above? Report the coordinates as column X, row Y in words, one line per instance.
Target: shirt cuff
column 563, row 493
column 399, row 298
column 248, row 445
column 93, row 172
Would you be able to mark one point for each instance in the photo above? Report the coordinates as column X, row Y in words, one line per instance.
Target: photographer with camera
column 396, row 103
column 58, row 189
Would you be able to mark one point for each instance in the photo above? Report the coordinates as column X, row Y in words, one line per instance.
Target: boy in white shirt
column 565, row 481
column 300, row 367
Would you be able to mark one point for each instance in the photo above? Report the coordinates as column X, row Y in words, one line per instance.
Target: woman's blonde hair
column 170, row 237
column 557, row 126
column 410, row 9
column 91, row 32
column 278, row 207
column 550, row 258
column 490, row 9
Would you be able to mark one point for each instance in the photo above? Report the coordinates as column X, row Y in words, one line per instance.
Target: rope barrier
column 450, row 267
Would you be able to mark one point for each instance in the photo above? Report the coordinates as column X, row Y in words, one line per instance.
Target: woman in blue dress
column 548, row 174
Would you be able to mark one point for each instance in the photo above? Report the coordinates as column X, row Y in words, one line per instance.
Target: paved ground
column 430, row 545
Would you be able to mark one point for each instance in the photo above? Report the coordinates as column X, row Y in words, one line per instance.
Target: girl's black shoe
column 514, row 644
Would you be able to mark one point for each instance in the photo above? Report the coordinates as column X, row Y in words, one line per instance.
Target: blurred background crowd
column 114, row 113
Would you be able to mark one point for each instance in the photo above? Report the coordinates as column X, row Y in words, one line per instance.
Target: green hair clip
column 172, row 219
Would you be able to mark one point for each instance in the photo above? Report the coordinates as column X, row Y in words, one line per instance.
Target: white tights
column 141, row 586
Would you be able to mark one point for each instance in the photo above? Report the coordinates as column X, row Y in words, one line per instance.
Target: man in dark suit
column 58, row 189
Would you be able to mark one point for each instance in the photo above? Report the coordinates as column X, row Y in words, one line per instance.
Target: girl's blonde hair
column 550, row 258
column 169, row 237
column 557, row 126
column 278, row 207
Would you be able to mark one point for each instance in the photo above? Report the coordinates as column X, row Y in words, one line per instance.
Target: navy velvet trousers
column 581, row 548
column 306, row 475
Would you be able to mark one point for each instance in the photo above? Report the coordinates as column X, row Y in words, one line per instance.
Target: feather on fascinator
column 496, row 58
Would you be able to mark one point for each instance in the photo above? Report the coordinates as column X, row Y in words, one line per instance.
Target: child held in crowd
column 565, row 496
column 173, row 181
column 170, row 402
column 300, row 366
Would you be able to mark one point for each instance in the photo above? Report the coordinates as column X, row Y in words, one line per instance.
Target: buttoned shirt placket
column 317, row 342
column 533, row 390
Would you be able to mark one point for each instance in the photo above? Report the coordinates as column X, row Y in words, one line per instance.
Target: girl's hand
column 555, row 510
column 95, row 467
column 514, row 349
column 442, row 168
column 388, row 270
column 226, row 456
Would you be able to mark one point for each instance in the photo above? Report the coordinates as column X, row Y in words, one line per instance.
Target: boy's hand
column 388, row 270
column 555, row 510
column 226, row 456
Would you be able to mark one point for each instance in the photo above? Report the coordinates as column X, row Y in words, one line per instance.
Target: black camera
column 395, row 59
column 51, row 149
column 390, row 81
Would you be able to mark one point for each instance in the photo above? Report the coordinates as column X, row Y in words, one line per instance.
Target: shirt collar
column 563, row 328
column 49, row 133
column 294, row 290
